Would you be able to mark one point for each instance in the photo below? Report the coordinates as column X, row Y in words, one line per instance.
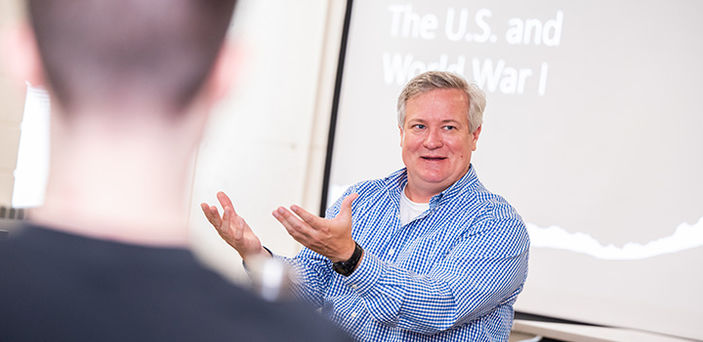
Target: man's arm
column 326, row 241
column 480, row 273
column 314, row 273
column 483, row 270
column 314, row 269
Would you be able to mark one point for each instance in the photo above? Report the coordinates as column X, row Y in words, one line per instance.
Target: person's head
column 440, row 117
column 126, row 54
column 432, row 80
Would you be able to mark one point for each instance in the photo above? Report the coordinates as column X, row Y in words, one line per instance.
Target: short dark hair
column 110, row 51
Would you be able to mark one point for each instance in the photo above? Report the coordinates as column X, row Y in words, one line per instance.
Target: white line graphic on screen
column 685, row 236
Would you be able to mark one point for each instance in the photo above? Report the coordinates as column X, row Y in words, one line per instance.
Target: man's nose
column 433, row 139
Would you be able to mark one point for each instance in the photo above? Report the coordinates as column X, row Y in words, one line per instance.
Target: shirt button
column 355, row 287
column 391, row 251
column 353, row 314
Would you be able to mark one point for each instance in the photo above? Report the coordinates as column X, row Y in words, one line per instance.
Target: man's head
column 432, row 80
column 127, row 53
column 440, row 117
column 131, row 84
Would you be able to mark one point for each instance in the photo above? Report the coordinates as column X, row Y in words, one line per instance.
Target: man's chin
column 433, row 179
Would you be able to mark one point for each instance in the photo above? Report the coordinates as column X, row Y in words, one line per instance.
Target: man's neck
column 417, row 196
column 422, row 192
column 127, row 185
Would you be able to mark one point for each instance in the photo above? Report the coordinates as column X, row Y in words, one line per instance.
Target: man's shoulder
column 483, row 211
column 494, row 205
column 491, row 220
column 380, row 185
column 165, row 290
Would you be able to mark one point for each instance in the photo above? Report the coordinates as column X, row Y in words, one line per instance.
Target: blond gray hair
column 433, row 80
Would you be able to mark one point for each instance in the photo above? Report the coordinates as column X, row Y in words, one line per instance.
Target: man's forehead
column 438, row 98
column 441, row 95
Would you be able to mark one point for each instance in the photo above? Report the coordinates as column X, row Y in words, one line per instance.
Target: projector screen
column 593, row 131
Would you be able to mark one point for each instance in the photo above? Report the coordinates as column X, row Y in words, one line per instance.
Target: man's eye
column 449, row 128
column 419, row 126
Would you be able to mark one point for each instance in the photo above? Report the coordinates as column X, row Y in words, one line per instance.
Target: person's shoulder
column 235, row 312
column 288, row 320
column 494, row 212
column 299, row 322
column 497, row 224
column 379, row 185
column 195, row 302
column 491, row 204
column 21, row 241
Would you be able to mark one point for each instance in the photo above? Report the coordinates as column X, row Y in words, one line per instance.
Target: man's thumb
column 345, row 209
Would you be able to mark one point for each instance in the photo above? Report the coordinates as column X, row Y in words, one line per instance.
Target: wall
column 11, row 104
column 265, row 144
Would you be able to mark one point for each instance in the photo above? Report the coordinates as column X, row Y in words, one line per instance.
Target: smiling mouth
column 434, row 158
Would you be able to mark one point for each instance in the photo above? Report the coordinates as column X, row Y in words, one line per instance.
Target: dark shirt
column 56, row 286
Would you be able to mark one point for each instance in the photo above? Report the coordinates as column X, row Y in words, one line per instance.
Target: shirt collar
column 396, row 181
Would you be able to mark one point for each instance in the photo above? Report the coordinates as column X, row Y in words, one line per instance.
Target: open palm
column 232, row 227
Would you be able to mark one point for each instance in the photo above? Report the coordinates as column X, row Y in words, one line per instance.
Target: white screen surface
column 593, row 131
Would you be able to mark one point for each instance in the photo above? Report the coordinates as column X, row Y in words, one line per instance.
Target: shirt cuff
column 244, row 264
column 366, row 275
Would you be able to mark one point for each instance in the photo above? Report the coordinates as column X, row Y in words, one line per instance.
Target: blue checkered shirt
column 451, row 274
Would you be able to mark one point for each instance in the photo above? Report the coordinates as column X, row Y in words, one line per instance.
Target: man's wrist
column 346, row 255
column 348, row 266
column 265, row 252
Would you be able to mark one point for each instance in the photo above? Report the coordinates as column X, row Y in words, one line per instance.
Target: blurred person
column 425, row 254
column 105, row 257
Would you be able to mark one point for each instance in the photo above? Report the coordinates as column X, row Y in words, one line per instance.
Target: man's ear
column 223, row 73
column 21, row 55
column 474, row 137
column 215, row 88
column 400, row 129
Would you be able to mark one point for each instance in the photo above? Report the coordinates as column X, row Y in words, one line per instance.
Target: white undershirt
column 410, row 210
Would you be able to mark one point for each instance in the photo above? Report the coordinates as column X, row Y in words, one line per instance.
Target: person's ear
column 21, row 55
column 223, row 73
column 400, row 129
column 474, row 137
column 216, row 87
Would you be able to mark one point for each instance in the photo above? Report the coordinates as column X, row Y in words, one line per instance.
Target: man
column 105, row 258
column 425, row 254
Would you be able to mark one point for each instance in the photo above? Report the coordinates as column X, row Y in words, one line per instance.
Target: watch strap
column 346, row 267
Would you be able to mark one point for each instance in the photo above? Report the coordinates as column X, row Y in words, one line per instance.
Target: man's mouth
column 433, row 158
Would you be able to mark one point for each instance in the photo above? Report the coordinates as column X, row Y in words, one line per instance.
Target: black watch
column 346, row 268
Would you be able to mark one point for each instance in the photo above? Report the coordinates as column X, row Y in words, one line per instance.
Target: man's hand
column 331, row 238
column 233, row 229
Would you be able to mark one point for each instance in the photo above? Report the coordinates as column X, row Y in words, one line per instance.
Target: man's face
column 436, row 140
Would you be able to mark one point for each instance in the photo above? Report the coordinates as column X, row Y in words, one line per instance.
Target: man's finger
column 212, row 217
column 295, row 227
column 237, row 229
column 313, row 220
column 215, row 215
column 206, row 210
column 292, row 232
column 226, row 219
column 225, row 201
